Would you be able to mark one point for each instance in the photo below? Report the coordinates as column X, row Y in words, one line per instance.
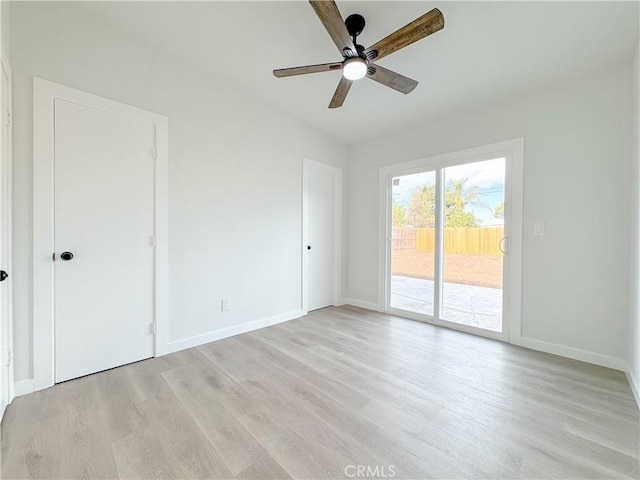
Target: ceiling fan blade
column 322, row 67
column 330, row 17
column 391, row 79
column 340, row 93
column 427, row 24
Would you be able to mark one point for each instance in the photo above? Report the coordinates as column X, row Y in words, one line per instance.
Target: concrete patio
column 465, row 304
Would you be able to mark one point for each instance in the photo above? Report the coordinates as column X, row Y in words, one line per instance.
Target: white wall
column 234, row 178
column 577, row 151
column 633, row 357
column 235, row 168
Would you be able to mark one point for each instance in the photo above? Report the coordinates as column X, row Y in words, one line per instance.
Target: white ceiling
column 487, row 52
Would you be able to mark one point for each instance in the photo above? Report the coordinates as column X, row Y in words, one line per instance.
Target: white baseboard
column 196, row 340
column 570, row 352
column 362, row 304
column 23, row 387
column 633, row 383
column 539, row 345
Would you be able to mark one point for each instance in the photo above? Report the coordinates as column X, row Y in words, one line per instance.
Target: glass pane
column 473, row 228
column 412, row 248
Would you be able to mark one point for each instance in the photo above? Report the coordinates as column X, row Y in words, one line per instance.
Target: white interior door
column 5, row 250
column 319, row 252
column 104, row 218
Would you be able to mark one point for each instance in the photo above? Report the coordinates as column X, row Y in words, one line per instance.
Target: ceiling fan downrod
column 355, row 24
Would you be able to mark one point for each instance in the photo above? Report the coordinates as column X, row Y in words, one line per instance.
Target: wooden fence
column 473, row 241
column 403, row 238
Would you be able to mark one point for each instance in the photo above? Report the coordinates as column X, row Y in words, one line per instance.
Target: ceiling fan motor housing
column 355, row 24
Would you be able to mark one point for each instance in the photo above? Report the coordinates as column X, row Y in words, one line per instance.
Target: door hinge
column 154, row 328
column 154, row 240
column 154, row 152
column 9, row 119
column 9, row 356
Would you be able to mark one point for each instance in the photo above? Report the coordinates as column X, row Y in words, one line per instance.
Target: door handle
column 3, row 275
column 501, row 244
column 308, row 247
column 66, row 256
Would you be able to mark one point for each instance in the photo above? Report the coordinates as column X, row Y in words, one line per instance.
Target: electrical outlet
column 538, row 229
column 226, row 304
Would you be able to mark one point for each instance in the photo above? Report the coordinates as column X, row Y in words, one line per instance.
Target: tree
column 422, row 207
column 457, row 196
column 421, row 211
column 499, row 211
column 459, row 218
column 399, row 215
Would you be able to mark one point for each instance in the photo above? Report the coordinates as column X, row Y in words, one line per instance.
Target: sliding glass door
column 472, row 266
column 448, row 237
column 413, row 206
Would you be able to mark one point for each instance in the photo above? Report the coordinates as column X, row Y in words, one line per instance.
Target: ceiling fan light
column 354, row 68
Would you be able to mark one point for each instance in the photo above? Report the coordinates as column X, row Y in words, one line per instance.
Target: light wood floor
column 341, row 387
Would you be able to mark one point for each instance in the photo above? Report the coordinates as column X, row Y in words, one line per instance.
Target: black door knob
column 308, row 247
column 3, row 275
column 66, row 256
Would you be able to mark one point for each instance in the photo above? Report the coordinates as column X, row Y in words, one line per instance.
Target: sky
column 487, row 175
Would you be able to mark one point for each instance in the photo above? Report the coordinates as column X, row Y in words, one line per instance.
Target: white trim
column 438, row 264
column 44, row 94
column 23, row 387
column 362, row 304
column 633, row 383
column 336, row 172
column 570, row 352
column 513, row 151
column 232, row 331
column 7, row 70
column 514, row 203
column 384, row 251
column 161, row 270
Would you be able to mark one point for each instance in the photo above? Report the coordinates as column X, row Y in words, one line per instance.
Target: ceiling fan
column 357, row 60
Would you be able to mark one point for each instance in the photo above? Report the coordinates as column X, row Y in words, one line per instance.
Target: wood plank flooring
column 339, row 392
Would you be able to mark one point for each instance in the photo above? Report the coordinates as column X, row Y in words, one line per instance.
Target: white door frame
column 6, row 121
column 513, row 151
column 336, row 173
column 44, row 94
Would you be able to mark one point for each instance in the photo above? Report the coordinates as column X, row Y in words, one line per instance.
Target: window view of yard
column 473, row 229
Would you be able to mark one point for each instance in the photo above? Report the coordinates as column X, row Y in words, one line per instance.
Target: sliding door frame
column 513, row 152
